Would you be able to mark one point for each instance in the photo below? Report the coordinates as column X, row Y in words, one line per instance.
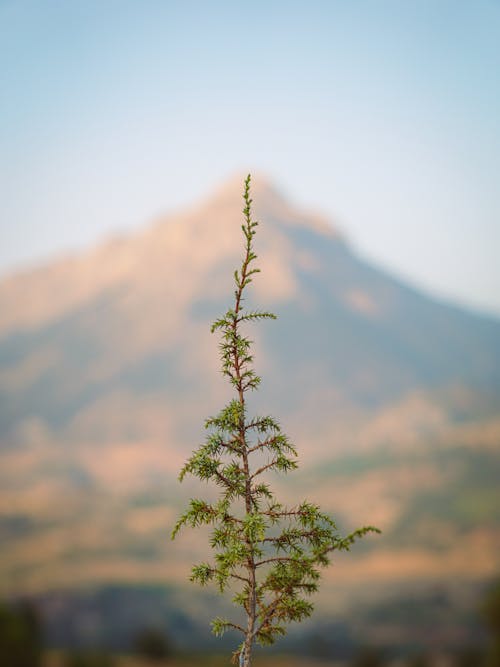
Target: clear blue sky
column 385, row 115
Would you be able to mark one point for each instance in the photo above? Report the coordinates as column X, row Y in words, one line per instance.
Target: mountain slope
column 132, row 315
column 108, row 369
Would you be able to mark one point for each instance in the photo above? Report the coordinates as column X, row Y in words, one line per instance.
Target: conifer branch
column 245, row 541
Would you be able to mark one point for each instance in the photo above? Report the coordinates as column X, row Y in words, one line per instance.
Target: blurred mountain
column 129, row 319
column 108, row 370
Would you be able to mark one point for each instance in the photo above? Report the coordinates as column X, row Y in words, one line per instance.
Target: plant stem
column 250, row 565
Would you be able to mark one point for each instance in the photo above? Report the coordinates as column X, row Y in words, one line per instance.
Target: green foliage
column 152, row 644
column 491, row 614
column 419, row 660
column 470, row 656
column 89, row 659
column 368, row 657
column 20, row 636
column 491, row 608
column 267, row 553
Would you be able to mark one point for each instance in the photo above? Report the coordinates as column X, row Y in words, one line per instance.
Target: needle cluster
column 268, row 554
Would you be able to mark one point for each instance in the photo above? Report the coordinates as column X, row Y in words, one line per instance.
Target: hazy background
column 372, row 131
column 384, row 115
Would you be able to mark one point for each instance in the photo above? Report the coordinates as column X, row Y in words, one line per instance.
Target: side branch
column 269, row 614
column 235, row 626
column 214, row 570
column 259, row 471
column 278, row 559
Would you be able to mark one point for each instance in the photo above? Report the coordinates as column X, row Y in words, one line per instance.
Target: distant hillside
column 108, row 369
column 130, row 319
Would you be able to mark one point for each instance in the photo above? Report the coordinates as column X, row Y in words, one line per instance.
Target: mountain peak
column 269, row 202
column 263, row 191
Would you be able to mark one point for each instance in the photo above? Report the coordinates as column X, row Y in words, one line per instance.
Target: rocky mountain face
column 108, row 370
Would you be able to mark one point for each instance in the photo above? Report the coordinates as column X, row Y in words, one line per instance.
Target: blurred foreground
column 22, row 643
column 366, row 658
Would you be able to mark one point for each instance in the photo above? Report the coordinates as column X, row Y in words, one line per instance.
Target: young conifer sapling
column 268, row 554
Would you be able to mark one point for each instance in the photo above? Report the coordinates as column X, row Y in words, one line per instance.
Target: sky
column 383, row 115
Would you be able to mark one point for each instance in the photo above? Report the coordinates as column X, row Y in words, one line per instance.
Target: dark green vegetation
column 20, row 636
column 152, row 644
column 491, row 614
column 89, row 659
column 135, row 622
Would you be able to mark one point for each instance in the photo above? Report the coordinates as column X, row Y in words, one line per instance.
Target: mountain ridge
column 108, row 369
column 270, row 203
column 161, row 285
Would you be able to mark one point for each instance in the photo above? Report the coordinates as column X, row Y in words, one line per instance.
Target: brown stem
column 275, row 559
column 245, row 656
